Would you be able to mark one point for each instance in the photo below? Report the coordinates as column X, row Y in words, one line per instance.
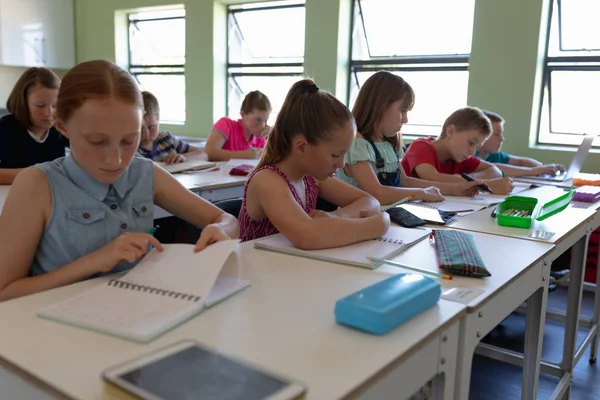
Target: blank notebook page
column 392, row 242
column 122, row 312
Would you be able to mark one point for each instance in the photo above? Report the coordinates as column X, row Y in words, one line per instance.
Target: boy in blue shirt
column 510, row 164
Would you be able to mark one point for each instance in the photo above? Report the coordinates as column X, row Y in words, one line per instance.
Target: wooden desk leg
column 534, row 336
column 578, row 256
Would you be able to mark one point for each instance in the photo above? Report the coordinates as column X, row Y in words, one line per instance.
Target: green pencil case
column 457, row 253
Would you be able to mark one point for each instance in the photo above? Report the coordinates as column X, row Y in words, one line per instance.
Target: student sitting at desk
column 162, row 146
column 313, row 132
column 90, row 213
column 511, row 165
column 27, row 134
column 443, row 159
column 373, row 161
column 244, row 138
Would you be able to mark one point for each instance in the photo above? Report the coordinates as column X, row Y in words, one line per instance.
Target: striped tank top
column 251, row 229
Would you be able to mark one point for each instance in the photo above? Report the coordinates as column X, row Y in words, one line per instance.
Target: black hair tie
column 312, row 88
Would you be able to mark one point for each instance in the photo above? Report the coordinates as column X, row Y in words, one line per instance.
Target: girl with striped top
column 307, row 145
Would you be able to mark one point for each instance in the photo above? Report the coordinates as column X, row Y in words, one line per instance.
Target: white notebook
column 164, row 290
column 188, row 165
column 394, row 242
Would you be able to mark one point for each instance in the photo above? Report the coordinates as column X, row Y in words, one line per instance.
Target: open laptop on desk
column 574, row 168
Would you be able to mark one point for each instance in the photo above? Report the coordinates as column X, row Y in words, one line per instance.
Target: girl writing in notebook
column 244, row 138
column 310, row 137
column 373, row 162
column 90, row 213
column 27, row 134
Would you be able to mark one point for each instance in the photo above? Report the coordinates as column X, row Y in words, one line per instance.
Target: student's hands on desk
column 174, row 158
column 210, row 234
column 468, row 189
column 551, row 169
column 431, row 193
column 500, row 185
column 129, row 247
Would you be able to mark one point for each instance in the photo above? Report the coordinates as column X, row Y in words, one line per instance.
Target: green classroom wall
column 505, row 68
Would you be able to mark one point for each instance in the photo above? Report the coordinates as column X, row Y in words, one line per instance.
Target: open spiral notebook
column 164, row 290
column 393, row 243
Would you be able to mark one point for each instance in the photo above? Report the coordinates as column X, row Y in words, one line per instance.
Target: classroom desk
column 284, row 321
column 572, row 228
column 212, row 186
column 518, row 275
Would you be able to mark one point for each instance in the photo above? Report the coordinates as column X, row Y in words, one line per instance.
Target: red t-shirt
column 421, row 151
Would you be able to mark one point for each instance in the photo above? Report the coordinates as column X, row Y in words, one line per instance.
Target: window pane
column 256, row 36
column 580, row 28
column 274, row 87
column 157, row 42
column 170, row 92
column 437, row 95
column 575, row 99
column 409, row 28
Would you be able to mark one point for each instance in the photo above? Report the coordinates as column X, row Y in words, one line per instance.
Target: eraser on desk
column 383, row 306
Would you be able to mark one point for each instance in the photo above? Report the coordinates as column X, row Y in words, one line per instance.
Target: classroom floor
column 493, row 379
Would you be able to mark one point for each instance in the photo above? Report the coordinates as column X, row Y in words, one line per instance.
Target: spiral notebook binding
column 420, row 204
column 389, row 240
column 152, row 290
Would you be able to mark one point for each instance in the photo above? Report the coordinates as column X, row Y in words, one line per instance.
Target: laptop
column 574, row 168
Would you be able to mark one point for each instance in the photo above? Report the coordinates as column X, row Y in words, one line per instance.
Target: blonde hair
column 374, row 98
column 468, row 118
column 306, row 111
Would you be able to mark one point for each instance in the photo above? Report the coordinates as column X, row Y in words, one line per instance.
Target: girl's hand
column 210, row 234
column 320, row 214
column 129, row 247
column 429, row 194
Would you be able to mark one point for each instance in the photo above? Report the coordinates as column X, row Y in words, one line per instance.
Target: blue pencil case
column 381, row 307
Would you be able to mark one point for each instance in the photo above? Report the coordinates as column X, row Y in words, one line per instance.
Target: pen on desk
column 419, row 270
column 404, row 200
column 469, row 178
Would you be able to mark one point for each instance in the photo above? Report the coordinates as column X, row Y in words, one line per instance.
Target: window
column 157, row 59
column 427, row 42
column 265, row 51
column 572, row 73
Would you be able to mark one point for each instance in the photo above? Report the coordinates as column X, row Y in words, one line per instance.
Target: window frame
column 152, row 69
column 571, row 63
column 419, row 63
column 235, row 70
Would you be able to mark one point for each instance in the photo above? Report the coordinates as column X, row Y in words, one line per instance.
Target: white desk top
column 210, row 180
column 562, row 224
column 505, row 266
column 284, row 321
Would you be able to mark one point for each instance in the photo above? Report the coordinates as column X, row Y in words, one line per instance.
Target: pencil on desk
column 419, row 270
column 404, row 200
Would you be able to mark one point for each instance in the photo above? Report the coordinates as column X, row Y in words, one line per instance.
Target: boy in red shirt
column 453, row 153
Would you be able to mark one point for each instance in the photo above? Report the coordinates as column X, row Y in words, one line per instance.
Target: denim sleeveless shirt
column 87, row 214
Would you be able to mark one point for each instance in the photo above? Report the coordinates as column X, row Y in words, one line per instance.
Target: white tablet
column 187, row 370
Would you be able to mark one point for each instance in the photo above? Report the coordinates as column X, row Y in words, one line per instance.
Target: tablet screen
column 195, row 373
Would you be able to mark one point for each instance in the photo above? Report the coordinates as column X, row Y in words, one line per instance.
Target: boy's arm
column 486, row 170
column 8, row 175
column 429, row 173
column 523, row 161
